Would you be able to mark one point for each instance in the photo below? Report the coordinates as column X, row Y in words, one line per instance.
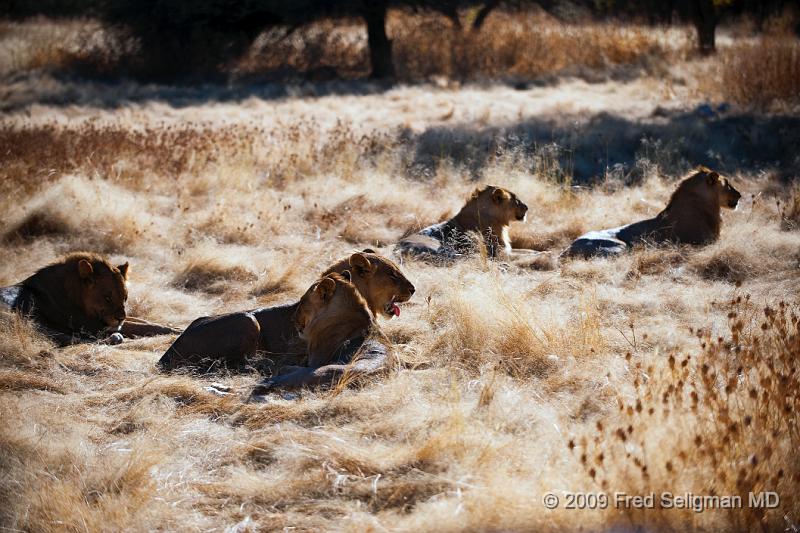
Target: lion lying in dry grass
column 79, row 298
column 230, row 340
column 692, row 216
column 488, row 212
column 344, row 342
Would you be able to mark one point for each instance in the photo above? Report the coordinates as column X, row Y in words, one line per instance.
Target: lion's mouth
column 733, row 203
column 392, row 309
column 113, row 323
column 521, row 216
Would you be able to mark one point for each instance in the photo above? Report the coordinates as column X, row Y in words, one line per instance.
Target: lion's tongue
column 395, row 310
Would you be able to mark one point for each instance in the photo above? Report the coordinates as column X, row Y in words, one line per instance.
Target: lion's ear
column 326, row 288
column 369, row 251
column 712, row 177
column 361, row 264
column 498, row 195
column 85, row 269
column 123, row 270
column 346, row 275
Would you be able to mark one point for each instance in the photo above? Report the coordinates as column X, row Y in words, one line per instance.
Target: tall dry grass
column 525, row 45
column 727, row 418
column 762, row 74
column 516, row 47
column 227, row 206
column 501, row 365
column 510, row 45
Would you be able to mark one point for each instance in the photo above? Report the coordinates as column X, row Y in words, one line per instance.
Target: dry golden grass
column 502, row 364
column 226, row 206
column 510, row 45
column 763, row 74
column 518, row 47
column 727, row 413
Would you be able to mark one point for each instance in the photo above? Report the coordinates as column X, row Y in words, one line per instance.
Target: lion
column 692, row 216
column 488, row 212
column 378, row 279
column 344, row 341
column 80, row 298
column 232, row 340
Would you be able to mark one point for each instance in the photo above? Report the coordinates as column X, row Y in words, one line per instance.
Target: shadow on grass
column 591, row 148
column 23, row 90
column 76, row 86
column 585, row 148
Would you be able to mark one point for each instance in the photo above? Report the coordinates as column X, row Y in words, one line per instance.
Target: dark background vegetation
column 186, row 40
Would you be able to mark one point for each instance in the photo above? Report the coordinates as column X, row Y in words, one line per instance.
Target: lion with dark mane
column 79, row 298
column 487, row 213
column 692, row 216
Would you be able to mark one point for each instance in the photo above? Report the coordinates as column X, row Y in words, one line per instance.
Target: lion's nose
column 411, row 289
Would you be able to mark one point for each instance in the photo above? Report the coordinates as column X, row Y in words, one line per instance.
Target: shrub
column 761, row 74
column 728, row 416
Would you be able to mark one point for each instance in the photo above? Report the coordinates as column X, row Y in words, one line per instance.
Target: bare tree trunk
column 380, row 47
column 483, row 13
column 704, row 17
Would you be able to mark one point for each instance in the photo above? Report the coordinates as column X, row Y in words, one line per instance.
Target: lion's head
column 102, row 290
column 692, row 215
column 489, row 212
column 494, row 205
column 727, row 196
column 330, row 312
column 379, row 281
column 83, row 291
column 706, row 188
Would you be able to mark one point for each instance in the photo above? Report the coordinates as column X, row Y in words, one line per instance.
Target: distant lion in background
column 692, row 216
column 488, row 212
